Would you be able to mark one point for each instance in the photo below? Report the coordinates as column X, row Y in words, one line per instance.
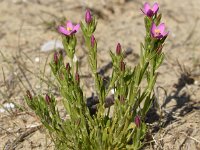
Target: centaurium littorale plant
column 117, row 120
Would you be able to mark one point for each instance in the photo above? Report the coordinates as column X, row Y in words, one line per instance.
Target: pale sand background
column 26, row 24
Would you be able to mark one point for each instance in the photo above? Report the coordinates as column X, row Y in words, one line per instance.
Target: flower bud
column 159, row 49
column 122, row 99
column 55, row 58
column 92, row 40
column 122, row 66
column 28, row 93
column 67, row 67
column 60, row 52
column 47, row 98
column 137, row 121
column 88, row 16
column 77, row 77
column 118, row 49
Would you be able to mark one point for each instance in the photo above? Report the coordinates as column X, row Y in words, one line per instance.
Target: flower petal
column 155, row 7
column 69, row 25
column 165, row 33
column 76, row 27
column 161, row 27
column 62, row 30
column 146, row 7
column 153, row 27
column 159, row 36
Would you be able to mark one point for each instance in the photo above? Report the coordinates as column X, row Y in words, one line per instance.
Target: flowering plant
column 103, row 121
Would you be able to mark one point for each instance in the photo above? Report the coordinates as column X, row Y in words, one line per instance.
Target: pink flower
column 69, row 29
column 147, row 10
column 88, row 16
column 158, row 31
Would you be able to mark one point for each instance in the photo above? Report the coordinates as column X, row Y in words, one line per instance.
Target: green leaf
column 158, row 19
column 105, row 135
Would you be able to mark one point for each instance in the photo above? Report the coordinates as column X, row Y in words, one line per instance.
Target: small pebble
column 37, row 59
column 7, row 106
column 51, row 45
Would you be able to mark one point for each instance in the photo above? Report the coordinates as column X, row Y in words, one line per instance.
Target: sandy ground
column 25, row 25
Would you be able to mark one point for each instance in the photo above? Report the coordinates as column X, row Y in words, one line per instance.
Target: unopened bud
column 67, row 67
column 137, row 121
column 118, row 49
column 122, row 66
column 47, row 98
column 88, row 16
column 122, row 99
column 28, row 93
column 92, row 40
column 55, row 58
column 77, row 77
column 60, row 53
column 159, row 49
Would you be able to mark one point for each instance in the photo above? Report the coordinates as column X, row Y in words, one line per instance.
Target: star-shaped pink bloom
column 147, row 10
column 69, row 29
column 158, row 31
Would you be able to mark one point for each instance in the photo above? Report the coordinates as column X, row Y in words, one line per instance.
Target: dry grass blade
column 21, row 138
column 24, row 75
column 190, row 137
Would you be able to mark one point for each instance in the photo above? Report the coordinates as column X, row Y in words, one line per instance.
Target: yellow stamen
column 157, row 31
column 69, row 29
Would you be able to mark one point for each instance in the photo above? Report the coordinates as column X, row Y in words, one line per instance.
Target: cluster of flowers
column 156, row 31
column 71, row 29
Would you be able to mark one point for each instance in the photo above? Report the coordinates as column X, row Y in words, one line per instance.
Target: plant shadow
column 183, row 105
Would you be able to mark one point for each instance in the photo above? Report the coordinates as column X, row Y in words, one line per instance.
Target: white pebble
column 51, row 45
column 37, row 59
column 2, row 110
column 37, row 86
column 196, row 82
column 8, row 105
